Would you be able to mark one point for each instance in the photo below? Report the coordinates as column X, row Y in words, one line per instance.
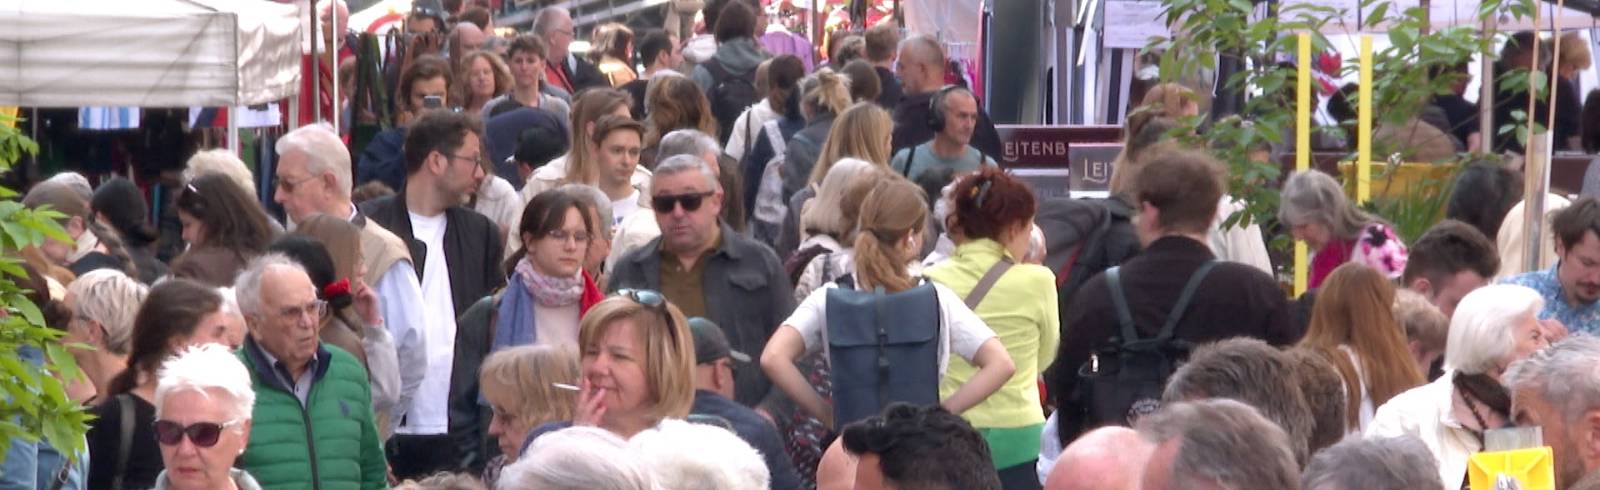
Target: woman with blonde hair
column 613, row 53
column 674, row 103
column 636, row 366
column 887, row 242
column 1353, row 327
column 486, row 76
column 519, row 384
column 824, row 95
column 862, row 131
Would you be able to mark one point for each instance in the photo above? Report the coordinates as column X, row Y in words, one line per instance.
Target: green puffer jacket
column 343, row 452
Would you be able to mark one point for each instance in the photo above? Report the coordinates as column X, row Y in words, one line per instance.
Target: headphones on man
column 936, row 107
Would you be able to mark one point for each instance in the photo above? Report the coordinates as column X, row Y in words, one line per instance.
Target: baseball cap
column 710, row 344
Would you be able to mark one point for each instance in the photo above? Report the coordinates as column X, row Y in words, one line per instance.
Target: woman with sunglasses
column 888, row 238
column 224, row 228
column 203, row 409
column 636, row 365
column 177, row 313
column 520, row 385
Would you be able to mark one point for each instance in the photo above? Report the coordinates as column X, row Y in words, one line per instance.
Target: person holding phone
column 424, row 85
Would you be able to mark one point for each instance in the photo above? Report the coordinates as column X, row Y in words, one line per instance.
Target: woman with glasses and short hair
column 176, row 313
column 203, row 403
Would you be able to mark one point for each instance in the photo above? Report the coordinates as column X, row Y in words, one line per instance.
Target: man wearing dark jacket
column 738, row 54
column 921, row 69
column 706, row 268
column 562, row 70
column 713, row 396
column 1176, row 203
column 457, row 252
column 882, row 39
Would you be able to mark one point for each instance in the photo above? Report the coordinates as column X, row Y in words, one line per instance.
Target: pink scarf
column 549, row 291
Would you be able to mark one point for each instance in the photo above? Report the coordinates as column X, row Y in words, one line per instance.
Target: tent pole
column 333, row 57
column 233, row 129
column 316, row 68
column 1486, row 96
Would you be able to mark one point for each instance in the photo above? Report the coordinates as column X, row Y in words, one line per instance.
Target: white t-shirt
column 621, row 209
column 429, row 413
column 961, row 330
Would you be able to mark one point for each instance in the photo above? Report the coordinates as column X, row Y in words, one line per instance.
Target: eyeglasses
column 690, row 202
column 655, row 301
column 563, row 236
column 317, row 309
column 476, row 159
column 202, row 434
column 288, row 185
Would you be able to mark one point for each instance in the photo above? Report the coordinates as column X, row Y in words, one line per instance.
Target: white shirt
column 961, row 330
column 556, row 325
column 429, row 413
column 403, row 314
column 1242, row 244
column 1364, row 414
column 500, row 202
column 621, row 209
column 1427, row 413
column 747, row 128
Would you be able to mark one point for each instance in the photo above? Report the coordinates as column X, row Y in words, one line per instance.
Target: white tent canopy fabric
column 147, row 53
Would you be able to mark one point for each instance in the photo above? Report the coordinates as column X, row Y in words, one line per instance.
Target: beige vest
column 381, row 248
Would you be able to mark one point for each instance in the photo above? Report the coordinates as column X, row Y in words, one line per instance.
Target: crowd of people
column 743, row 269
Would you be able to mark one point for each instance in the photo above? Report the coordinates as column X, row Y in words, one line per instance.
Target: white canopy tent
column 147, row 53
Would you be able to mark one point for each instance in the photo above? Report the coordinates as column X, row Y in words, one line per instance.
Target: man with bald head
column 921, row 68
column 1108, row 458
column 562, row 70
column 465, row 38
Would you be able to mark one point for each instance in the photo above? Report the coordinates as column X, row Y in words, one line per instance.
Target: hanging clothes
column 108, row 118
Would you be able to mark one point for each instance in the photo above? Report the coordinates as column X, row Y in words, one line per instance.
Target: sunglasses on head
column 655, row 301
column 690, row 202
column 202, row 434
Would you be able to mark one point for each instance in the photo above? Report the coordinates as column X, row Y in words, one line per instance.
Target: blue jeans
column 36, row 465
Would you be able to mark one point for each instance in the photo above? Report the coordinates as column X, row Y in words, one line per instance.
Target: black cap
column 539, row 145
column 710, row 344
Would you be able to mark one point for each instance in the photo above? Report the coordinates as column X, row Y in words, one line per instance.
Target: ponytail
column 893, row 211
column 114, row 247
column 831, row 93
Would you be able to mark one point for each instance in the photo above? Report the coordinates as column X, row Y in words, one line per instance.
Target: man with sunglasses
column 706, row 268
column 313, row 411
column 457, row 251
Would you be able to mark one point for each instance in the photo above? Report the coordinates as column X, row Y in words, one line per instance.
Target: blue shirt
column 1580, row 318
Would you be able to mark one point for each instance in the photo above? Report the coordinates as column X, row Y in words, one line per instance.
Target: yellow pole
column 1302, row 148
column 1364, row 127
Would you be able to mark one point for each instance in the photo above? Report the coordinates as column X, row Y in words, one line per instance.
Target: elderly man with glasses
column 313, row 422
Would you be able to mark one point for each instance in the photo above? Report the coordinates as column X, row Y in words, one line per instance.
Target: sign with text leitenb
column 1034, row 146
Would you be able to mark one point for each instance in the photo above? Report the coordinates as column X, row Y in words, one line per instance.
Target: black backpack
column 1125, row 377
column 1084, row 237
column 730, row 94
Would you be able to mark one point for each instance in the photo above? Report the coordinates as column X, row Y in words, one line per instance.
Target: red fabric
column 591, row 295
column 327, row 74
column 553, row 74
column 1326, row 260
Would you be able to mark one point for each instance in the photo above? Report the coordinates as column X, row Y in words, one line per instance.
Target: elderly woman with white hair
column 578, row 458
column 1314, row 207
column 1493, row 327
column 103, row 304
column 203, row 410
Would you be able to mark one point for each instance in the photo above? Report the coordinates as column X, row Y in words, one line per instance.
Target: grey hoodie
column 738, row 56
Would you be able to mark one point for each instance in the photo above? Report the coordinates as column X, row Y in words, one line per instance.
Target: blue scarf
column 514, row 324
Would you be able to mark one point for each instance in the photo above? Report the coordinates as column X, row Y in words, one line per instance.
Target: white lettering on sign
column 1035, row 149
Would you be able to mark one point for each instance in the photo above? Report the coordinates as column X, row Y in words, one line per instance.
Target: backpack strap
column 1119, row 299
column 718, row 72
column 1184, row 299
column 911, row 157
column 125, row 440
column 987, row 282
column 883, row 349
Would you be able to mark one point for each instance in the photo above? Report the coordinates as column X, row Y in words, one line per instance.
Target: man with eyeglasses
column 314, row 176
column 458, row 251
column 569, row 73
column 706, row 268
column 313, row 411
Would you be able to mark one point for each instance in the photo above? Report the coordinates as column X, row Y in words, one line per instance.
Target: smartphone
column 432, row 102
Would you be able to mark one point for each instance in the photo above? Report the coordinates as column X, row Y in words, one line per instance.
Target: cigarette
column 565, row 386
